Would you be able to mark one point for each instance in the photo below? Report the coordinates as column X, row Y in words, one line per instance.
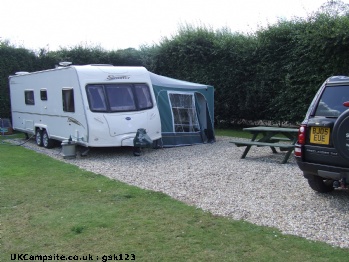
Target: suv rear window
column 331, row 102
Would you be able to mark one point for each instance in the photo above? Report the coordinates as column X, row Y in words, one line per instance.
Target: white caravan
column 94, row 105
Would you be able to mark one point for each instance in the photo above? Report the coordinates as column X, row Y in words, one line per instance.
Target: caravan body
column 95, row 105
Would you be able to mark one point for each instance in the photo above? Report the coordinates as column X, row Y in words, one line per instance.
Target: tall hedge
column 12, row 60
column 271, row 74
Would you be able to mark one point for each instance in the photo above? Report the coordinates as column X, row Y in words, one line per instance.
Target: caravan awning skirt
column 181, row 139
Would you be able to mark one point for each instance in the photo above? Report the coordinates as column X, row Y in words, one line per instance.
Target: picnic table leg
column 293, row 138
column 273, row 149
column 266, row 137
column 246, row 151
column 249, row 147
column 287, row 156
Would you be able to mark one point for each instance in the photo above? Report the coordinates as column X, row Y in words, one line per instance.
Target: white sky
column 116, row 24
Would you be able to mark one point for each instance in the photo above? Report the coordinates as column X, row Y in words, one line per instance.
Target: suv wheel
column 320, row 184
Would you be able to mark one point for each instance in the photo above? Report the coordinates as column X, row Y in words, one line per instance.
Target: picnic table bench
column 270, row 136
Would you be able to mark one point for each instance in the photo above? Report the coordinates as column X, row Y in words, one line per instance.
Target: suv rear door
column 319, row 146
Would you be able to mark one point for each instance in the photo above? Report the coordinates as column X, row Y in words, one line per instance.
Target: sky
column 116, row 24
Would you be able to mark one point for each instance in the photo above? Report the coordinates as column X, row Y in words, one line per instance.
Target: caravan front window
column 97, row 98
column 118, row 97
column 184, row 112
column 143, row 96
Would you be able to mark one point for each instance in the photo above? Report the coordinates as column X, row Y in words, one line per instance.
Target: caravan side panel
column 51, row 101
column 95, row 105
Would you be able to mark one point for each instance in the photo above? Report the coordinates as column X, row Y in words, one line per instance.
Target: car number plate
column 320, row 135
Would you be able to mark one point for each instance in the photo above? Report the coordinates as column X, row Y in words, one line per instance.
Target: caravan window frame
column 29, row 97
column 68, row 101
column 43, row 94
column 137, row 97
column 99, row 105
column 192, row 125
column 120, row 97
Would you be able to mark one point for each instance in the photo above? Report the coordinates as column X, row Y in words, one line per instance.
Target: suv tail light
column 302, row 134
column 298, row 151
column 301, row 140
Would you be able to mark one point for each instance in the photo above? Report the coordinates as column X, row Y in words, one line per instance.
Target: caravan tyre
column 46, row 141
column 38, row 137
column 137, row 151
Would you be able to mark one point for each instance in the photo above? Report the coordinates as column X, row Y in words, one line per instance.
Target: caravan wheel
column 137, row 151
column 46, row 141
column 38, row 137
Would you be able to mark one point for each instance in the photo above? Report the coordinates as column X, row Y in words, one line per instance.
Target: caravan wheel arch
column 42, row 136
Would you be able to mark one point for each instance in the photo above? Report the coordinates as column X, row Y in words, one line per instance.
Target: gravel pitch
column 258, row 189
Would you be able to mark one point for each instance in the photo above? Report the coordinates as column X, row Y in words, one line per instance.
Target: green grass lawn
column 232, row 133
column 235, row 133
column 48, row 207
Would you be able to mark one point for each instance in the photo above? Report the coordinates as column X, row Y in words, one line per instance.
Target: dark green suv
column 322, row 150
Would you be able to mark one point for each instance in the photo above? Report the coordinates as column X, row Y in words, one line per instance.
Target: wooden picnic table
column 283, row 138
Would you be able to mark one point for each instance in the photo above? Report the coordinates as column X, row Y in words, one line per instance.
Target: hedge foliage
column 269, row 75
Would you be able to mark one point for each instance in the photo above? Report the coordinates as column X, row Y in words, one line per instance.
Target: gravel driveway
column 257, row 189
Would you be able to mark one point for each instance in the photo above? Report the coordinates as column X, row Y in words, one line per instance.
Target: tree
column 334, row 8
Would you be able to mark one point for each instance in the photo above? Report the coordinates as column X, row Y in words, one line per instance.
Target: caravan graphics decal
column 73, row 120
column 113, row 77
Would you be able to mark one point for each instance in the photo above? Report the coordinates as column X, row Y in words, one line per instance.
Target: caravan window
column 184, row 112
column 68, row 100
column 96, row 98
column 119, row 97
column 143, row 96
column 29, row 97
column 43, row 94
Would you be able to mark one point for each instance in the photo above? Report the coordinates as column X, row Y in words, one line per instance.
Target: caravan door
column 206, row 125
